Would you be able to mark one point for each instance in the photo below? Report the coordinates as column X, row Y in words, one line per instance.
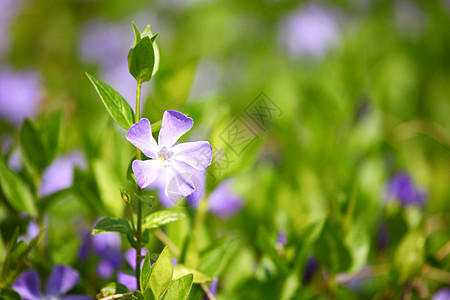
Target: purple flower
column 442, row 294
column 223, row 201
column 19, row 95
column 311, row 267
column 175, row 164
column 282, row 239
column 61, row 280
column 213, row 287
column 402, row 188
column 126, row 279
column 59, row 175
column 108, row 247
column 32, row 232
column 310, row 31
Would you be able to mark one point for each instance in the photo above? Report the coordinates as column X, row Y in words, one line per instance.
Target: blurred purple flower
column 174, row 163
column 108, row 247
column 32, row 232
column 223, row 201
column 126, row 279
column 8, row 10
column 310, row 31
column 311, row 267
column 19, row 95
column 282, row 239
column 442, row 294
column 402, row 188
column 213, row 287
column 59, row 175
column 61, row 280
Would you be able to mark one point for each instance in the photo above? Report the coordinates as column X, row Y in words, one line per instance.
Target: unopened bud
column 125, row 196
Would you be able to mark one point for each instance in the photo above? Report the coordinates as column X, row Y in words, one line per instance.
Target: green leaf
column 179, row 289
column 146, row 199
column 159, row 218
column 145, row 272
column 182, row 270
column 112, row 225
column 267, row 245
column 410, row 254
column 51, row 134
column 115, row 104
column 141, row 60
column 148, row 32
column 113, row 288
column 9, row 294
column 16, row 191
column 161, row 275
column 331, row 251
column 214, row 260
column 156, row 126
column 33, row 146
column 137, row 35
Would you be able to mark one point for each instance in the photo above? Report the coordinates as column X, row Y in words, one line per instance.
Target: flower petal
column 174, row 124
column 28, row 285
column 127, row 280
column 147, row 171
column 61, row 280
column 140, row 135
column 130, row 257
column 179, row 182
column 195, row 154
column 223, row 202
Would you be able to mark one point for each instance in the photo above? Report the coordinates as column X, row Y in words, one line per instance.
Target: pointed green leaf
column 141, row 60
column 16, row 191
column 182, row 270
column 137, row 35
column 33, row 146
column 116, row 105
column 214, row 260
column 161, row 275
column 112, row 225
column 179, row 289
column 51, row 134
column 148, row 32
column 113, row 288
column 145, row 272
column 159, row 218
column 331, row 251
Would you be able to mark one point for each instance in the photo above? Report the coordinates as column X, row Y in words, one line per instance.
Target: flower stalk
column 139, row 203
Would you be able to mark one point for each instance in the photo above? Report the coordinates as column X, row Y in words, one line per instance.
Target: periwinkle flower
column 126, row 279
column 59, row 175
column 310, row 31
column 32, row 232
column 442, row 294
column 213, row 288
column 19, row 95
column 108, row 247
column 402, row 188
column 311, row 267
column 223, row 201
column 62, row 279
column 282, row 238
column 170, row 162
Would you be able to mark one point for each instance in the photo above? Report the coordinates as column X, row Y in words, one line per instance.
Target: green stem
column 139, row 204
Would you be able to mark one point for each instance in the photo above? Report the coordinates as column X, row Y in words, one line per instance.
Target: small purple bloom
column 32, row 232
column 213, row 287
column 223, row 201
column 59, row 175
column 108, row 247
column 126, row 279
column 20, row 94
column 310, row 31
column 61, row 280
column 402, row 188
column 311, row 267
column 282, row 239
column 175, row 163
column 442, row 294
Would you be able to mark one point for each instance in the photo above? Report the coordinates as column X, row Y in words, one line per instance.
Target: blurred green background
column 358, row 91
